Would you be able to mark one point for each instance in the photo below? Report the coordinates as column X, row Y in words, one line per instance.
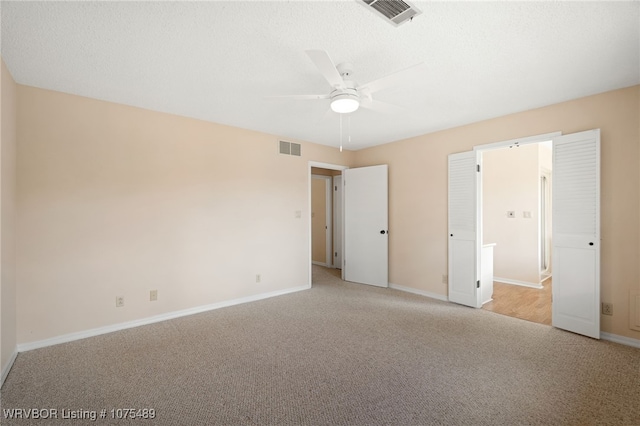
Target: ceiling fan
column 346, row 95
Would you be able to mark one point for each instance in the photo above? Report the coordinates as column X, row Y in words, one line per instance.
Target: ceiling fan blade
column 397, row 78
column 326, row 66
column 328, row 115
column 382, row 107
column 301, row 97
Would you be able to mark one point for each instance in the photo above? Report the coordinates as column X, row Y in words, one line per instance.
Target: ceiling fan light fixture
column 344, row 103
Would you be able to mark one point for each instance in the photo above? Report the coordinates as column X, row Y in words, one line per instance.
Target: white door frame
column 320, row 166
column 328, row 225
column 462, row 294
column 544, row 212
column 480, row 149
column 336, row 256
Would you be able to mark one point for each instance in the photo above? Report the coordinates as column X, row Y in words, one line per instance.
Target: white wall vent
column 395, row 11
column 290, row 148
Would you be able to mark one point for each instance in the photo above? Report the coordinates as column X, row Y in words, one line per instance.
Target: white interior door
column 464, row 256
column 366, row 225
column 576, row 233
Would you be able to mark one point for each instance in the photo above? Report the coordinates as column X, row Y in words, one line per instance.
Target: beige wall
column 318, row 220
column 116, row 201
column 8, row 139
column 510, row 183
column 418, row 191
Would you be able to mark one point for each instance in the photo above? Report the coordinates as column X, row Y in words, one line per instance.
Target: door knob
column 383, row 232
column 590, row 244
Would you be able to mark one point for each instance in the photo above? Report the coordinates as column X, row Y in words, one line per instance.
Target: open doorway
column 326, row 217
column 331, row 239
column 576, row 228
column 516, row 225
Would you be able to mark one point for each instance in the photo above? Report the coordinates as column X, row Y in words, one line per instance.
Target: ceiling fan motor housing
column 345, row 69
column 345, row 100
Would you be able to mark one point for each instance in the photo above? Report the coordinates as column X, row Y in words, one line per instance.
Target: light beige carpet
column 339, row 353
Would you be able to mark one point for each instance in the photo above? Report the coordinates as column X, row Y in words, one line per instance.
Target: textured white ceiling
column 218, row 61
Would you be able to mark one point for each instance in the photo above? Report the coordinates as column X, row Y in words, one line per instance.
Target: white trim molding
column 150, row 320
column 419, row 292
column 518, row 282
column 623, row 340
column 518, row 141
column 7, row 368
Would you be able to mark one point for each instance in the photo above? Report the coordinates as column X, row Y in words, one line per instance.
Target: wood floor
column 526, row 303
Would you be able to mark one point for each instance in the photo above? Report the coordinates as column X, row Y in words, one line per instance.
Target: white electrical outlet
column 258, row 278
column 153, row 295
column 445, row 279
column 119, row 301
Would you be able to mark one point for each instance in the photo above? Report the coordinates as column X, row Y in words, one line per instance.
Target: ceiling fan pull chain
column 340, row 132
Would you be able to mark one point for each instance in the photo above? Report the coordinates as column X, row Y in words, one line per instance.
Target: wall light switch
column 526, row 215
column 298, row 214
column 511, row 214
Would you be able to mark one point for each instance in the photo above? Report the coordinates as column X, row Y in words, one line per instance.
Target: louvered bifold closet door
column 576, row 233
column 463, row 252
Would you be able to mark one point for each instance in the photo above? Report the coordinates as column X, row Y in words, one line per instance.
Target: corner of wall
column 4, row 372
column 8, row 143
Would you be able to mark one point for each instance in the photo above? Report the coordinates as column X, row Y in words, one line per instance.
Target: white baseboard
column 628, row 341
column 419, row 292
column 23, row 347
column 517, row 282
column 7, row 368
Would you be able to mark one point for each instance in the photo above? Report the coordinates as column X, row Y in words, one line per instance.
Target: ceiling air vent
column 290, row 148
column 395, row 11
